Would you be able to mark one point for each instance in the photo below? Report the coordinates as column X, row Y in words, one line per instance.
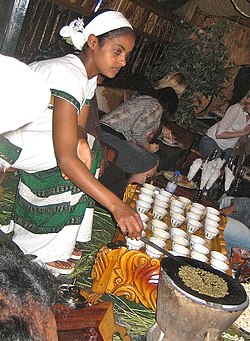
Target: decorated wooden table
column 131, row 273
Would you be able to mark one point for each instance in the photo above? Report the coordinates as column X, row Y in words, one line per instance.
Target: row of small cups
column 198, row 250
column 193, row 217
column 149, row 196
column 180, row 245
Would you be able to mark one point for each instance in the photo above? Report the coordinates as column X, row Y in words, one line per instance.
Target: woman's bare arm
column 65, row 138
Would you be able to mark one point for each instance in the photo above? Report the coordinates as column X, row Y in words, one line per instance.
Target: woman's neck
column 88, row 63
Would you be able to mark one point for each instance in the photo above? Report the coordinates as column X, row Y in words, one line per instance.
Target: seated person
column 130, row 129
column 27, row 291
column 223, row 136
column 168, row 156
column 237, row 230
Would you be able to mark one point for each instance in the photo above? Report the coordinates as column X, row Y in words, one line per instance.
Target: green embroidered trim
column 8, row 151
column 54, row 217
column 68, row 97
column 88, row 101
column 50, row 218
column 49, row 182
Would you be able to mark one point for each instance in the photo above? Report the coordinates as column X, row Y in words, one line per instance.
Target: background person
column 130, row 129
column 237, row 229
column 224, row 135
column 27, row 292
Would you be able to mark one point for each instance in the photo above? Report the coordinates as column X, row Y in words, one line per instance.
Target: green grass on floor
column 135, row 317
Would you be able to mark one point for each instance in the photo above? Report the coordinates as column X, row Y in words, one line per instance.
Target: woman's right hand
column 153, row 148
column 128, row 220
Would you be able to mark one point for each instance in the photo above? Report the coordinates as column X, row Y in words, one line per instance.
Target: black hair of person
column 20, row 277
column 27, row 291
column 168, row 99
column 14, row 329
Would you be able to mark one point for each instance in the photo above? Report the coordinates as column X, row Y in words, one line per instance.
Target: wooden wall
column 45, row 18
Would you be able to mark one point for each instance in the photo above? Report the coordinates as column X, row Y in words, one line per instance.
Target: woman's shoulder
column 64, row 63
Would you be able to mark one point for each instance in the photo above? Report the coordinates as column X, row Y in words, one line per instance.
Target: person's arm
column 232, row 134
column 223, row 130
column 65, row 138
column 83, row 150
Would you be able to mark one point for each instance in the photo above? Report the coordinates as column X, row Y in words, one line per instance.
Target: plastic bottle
column 172, row 184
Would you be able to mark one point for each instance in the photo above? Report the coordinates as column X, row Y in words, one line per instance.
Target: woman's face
column 109, row 58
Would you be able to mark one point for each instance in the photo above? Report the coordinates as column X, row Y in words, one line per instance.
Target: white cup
column 196, row 240
column 152, row 252
column 159, row 212
column 218, row 255
column 161, row 197
column 146, row 198
column 191, row 215
column 160, row 203
column 149, row 186
column 196, row 210
column 212, row 216
column 219, row 265
column 134, row 244
column 165, row 193
column 142, row 206
column 185, row 200
column 144, row 217
column 200, row 248
column 160, row 233
column 211, row 223
column 176, row 210
column 212, row 210
column 198, row 256
column 180, row 250
column 177, row 203
column 147, row 191
column 199, row 206
column 177, row 219
column 211, row 232
column 179, row 240
column 193, row 225
column 175, row 231
column 159, row 224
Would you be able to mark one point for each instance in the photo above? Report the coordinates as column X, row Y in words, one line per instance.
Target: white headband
column 76, row 34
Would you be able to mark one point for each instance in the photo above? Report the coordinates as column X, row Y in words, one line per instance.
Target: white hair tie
column 76, row 34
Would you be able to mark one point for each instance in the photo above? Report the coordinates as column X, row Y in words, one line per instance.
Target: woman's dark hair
column 20, row 277
column 168, row 99
column 14, row 329
column 27, row 290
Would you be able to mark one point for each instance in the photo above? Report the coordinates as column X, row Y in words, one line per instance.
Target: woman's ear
column 92, row 41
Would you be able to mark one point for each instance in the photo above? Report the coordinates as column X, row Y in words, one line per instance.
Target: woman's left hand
column 84, row 152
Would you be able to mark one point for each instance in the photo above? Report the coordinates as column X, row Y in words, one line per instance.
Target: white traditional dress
column 49, row 210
